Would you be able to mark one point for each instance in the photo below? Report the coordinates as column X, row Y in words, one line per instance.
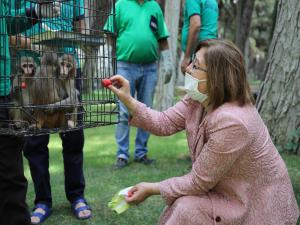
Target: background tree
column 244, row 9
column 260, row 24
column 164, row 94
column 260, row 36
column 227, row 19
column 279, row 99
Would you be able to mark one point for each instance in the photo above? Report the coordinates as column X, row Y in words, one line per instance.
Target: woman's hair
column 227, row 81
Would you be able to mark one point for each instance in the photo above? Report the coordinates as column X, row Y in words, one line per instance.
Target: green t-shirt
column 12, row 21
column 138, row 28
column 70, row 11
column 208, row 12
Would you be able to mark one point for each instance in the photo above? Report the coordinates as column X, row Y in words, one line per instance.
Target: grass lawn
column 102, row 181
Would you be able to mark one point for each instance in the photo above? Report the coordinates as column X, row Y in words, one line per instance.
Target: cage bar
column 56, row 62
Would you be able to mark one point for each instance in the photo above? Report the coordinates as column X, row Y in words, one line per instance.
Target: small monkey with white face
column 44, row 92
column 22, row 85
column 66, row 90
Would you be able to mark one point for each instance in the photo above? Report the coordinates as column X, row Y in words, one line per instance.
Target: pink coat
column 237, row 177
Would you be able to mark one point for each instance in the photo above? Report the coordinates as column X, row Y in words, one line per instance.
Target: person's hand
column 165, row 65
column 184, row 64
column 120, row 86
column 141, row 192
column 20, row 41
column 48, row 10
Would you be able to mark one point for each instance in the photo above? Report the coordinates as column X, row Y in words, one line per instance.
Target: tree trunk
column 243, row 21
column 165, row 92
column 279, row 99
column 179, row 76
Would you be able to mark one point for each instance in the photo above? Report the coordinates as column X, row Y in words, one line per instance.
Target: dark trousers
column 13, row 184
column 37, row 153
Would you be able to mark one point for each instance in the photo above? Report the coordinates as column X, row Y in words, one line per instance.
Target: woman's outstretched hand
column 120, row 86
column 141, row 192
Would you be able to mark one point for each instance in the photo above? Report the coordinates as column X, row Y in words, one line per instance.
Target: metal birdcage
column 56, row 66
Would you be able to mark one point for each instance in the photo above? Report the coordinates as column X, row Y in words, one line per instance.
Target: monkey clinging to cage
column 44, row 92
column 67, row 92
column 22, row 84
column 67, row 100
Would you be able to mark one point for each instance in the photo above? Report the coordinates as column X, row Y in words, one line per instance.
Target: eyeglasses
column 194, row 67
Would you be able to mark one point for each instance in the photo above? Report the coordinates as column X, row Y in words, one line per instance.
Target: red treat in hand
column 129, row 194
column 106, row 82
column 23, row 85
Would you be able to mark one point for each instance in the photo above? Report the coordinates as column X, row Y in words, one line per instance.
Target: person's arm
column 163, row 44
column 79, row 26
column 163, row 123
column 140, row 192
column 194, row 28
column 159, row 123
column 193, row 11
column 79, row 22
column 227, row 140
column 21, row 19
column 20, row 41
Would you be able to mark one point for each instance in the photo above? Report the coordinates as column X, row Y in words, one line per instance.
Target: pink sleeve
column 161, row 123
column 227, row 139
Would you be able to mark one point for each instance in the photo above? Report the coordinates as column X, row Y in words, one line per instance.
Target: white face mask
column 191, row 88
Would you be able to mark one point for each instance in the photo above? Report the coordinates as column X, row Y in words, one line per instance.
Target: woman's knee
column 184, row 205
column 190, row 210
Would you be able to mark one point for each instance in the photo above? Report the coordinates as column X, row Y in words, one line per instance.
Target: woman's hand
column 120, row 86
column 141, row 192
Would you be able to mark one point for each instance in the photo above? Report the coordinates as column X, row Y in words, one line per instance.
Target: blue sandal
column 80, row 209
column 41, row 216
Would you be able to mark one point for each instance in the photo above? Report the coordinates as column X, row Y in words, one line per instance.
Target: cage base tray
column 67, row 39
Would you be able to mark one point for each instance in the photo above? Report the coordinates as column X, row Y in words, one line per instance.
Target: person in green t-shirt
column 200, row 23
column 13, row 184
column 36, row 147
column 141, row 33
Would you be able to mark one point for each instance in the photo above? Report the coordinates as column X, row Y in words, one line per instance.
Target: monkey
column 28, row 66
column 66, row 89
column 44, row 92
column 22, row 83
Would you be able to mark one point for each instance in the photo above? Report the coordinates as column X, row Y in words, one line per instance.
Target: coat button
column 218, row 219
